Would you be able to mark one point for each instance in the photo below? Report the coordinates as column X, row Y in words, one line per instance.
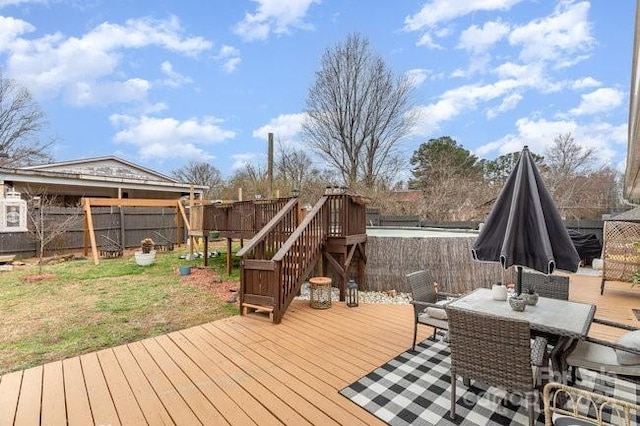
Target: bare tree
column 571, row 176
column 200, row 173
column 357, row 112
column 566, row 158
column 48, row 221
column 21, row 124
column 252, row 178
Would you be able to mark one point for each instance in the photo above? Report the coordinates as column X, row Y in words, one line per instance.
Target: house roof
column 108, row 166
column 106, row 172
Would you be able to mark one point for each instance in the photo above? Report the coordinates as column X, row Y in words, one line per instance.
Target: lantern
column 352, row 294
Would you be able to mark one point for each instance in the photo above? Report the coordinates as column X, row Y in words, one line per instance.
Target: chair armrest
column 583, row 404
column 443, row 294
column 423, row 305
column 614, row 324
column 613, row 345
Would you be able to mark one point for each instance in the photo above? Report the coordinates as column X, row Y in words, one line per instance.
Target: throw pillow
column 631, row 340
column 437, row 313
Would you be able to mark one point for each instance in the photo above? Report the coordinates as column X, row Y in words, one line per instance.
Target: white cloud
column 427, row 41
column 82, row 94
column 585, row 83
column 539, row 135
column 478, row 40
column 230, row 56
column 564, row 33
column 169, row 137
column 55, row 65
column 600, row 100
column 285, row 128
column 455, row 101
column 509, row 102
column 5, row 3
column 417, row 76
column 242, row 160
column 174, row 79
column 277, row 16
column 11, row 29
column 435, row 12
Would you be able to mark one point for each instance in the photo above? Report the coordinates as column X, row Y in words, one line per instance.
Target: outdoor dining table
column 569, row 321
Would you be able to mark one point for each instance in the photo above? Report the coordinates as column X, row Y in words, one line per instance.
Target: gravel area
column 384, row 297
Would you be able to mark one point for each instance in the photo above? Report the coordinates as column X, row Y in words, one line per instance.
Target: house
column 99, row 177
column 71, row 181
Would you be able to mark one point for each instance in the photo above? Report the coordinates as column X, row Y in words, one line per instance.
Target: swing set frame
column 89, row 231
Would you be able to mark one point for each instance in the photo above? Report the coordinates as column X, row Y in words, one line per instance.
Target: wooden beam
column 347, row 261
column 229, row 262
column 130, row 202
column 92, row 233
column 184, row 216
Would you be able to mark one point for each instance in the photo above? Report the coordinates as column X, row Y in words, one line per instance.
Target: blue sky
column 160, row 82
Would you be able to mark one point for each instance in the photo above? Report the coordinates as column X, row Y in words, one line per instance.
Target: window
column 13, row 213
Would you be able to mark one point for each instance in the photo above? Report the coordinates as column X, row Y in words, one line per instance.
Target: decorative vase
column 145, row 259
column 530, row 298
column 517, row 303
column 499, row 292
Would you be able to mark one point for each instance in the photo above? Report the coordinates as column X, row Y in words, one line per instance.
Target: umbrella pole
column 519, row 280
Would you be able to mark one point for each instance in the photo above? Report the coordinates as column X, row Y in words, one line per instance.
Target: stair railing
column 297, row 256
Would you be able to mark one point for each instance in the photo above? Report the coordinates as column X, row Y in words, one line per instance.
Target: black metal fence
column 126, row 226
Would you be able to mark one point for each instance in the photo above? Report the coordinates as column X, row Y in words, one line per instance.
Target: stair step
column 258, row 310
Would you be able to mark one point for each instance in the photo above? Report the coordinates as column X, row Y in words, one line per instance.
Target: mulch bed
column 210, row 280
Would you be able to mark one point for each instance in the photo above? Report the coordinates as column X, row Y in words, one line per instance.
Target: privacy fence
column 126, row 226
column 389, row 259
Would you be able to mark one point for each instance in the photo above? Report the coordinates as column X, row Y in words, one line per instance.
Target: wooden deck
column 240, row 370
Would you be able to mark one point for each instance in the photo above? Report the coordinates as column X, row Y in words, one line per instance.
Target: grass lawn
column 86, row 307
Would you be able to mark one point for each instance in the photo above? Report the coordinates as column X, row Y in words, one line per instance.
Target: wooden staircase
column 278, row 259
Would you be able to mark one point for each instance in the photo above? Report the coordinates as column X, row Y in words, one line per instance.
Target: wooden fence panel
column 139, row 223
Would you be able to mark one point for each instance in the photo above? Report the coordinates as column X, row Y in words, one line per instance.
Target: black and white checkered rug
column 414, row 388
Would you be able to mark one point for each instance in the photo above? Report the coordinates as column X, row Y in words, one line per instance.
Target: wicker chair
column 600, row 355
column 584, row 407
column 551, row 286
column 491, row 350
column 428, row 303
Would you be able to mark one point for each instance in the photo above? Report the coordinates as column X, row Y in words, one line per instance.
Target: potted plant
column 147, row 255
column 531, row 297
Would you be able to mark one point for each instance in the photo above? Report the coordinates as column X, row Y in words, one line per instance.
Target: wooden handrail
column 303, row 225
column 268, row 227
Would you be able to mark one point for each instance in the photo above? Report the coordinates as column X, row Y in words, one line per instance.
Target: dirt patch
column 39, row 277
column 206, row 278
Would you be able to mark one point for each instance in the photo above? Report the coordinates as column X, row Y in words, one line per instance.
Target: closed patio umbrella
column 524, row 228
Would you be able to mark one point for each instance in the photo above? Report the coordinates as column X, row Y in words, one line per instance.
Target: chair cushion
column 559, row 420
column 437, row 313
column 600, row 358
column 632, row 340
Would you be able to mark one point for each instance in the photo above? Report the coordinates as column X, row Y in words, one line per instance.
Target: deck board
column 28, row 412
column 53, row 412
column 75, row 392
column 9, row 395
column 244, row 370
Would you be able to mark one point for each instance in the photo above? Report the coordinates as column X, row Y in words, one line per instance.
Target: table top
column 559, row 317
